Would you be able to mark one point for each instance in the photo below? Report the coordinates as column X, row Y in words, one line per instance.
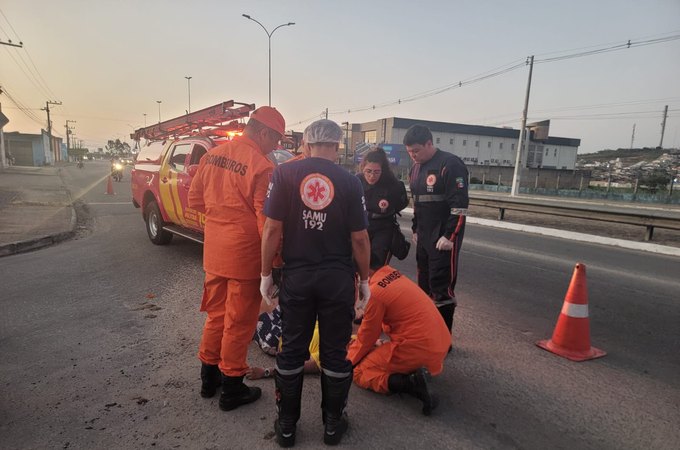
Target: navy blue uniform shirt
column 440, row 194
column 320, row 205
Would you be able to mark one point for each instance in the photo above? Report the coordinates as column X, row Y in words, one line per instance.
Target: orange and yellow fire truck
column 165, row 166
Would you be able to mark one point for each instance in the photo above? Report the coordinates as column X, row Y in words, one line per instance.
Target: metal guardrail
column 649, row 218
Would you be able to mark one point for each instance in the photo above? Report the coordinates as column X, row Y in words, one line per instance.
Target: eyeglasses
column 372, row 172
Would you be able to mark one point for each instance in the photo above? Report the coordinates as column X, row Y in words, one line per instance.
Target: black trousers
column 381, row 243
column 437, row 270
column 326, row 295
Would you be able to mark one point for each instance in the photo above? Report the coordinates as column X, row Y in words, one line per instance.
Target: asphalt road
column 99, row 337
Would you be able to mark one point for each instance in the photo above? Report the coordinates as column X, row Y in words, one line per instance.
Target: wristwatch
column 267, row 373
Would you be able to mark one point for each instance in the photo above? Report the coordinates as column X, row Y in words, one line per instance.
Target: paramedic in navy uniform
column 319, row 208
column 440, row 199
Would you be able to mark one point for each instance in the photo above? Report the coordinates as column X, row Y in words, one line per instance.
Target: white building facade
column 474, row 144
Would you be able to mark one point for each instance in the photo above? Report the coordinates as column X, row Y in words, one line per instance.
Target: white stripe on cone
column 575, row 310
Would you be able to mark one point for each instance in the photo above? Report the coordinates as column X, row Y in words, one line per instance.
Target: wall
column 531, row 178
column 27, row 149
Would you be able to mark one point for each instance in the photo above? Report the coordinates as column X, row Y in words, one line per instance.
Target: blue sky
column 109, row 61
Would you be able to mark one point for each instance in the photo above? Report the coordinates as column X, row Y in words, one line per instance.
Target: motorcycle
column 80, row 164
column 117, row 171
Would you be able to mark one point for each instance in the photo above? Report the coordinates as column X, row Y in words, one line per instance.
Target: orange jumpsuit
column 418, row 335
column 230, row 188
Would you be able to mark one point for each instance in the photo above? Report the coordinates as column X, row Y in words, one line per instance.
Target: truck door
column 172, row 171
column 192, row 218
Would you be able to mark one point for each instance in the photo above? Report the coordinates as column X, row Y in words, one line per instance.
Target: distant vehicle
column 117, row 171
column 162, row 174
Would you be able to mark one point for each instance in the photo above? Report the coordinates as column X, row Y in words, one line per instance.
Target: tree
column 657, row 179
column 117, row 148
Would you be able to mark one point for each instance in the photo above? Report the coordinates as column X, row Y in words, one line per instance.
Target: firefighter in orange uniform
column 230, row 188
column 418, row 339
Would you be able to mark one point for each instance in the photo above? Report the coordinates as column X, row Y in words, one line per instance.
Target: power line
column 8, row 23
column 28, row 76
column 508, row 68
column 632, row 114
column 485, row 119
column 39, row 74
column 21, row 107
column 607, row 44
column 47, row 92
column 429, row 93
column 457, row 85
column 613, row 48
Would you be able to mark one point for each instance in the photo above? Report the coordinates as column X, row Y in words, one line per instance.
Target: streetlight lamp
column 159, row 110
column 269, row 36
column 189, row 88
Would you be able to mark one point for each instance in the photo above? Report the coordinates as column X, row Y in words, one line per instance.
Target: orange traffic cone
column 571, row 338
column 109, row 187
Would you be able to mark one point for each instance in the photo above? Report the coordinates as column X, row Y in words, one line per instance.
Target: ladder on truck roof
column 216, row 120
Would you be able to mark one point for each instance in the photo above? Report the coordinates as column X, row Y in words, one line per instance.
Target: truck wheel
column 154, row 225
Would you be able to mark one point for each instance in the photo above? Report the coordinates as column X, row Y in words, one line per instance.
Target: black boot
column 446, row 312
column 235, row 393
column 415, row 384
column 211, row 378
column 334, row 392
column 288, row 397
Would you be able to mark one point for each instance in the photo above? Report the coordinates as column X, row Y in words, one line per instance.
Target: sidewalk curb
column 34, row 244
column 28, row 245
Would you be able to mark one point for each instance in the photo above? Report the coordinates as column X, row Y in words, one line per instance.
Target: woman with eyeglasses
column 385, row 196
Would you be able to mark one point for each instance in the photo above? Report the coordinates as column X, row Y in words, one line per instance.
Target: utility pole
column 516, row 177
column 9, row 42
column 326, row 113
column 49, row 122
column 346, row 124
column 632, row 138
column 663, row 125
column 68, row 134
column 3, row 162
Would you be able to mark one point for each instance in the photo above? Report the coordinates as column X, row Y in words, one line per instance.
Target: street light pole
column 144, row 120
column 159, row 110
column 189, row 88
column 346, row 124
column 269, row 36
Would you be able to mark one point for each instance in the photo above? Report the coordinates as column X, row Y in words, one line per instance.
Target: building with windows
column 485, row 150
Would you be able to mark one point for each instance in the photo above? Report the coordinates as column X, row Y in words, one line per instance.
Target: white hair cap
column 323, row 131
